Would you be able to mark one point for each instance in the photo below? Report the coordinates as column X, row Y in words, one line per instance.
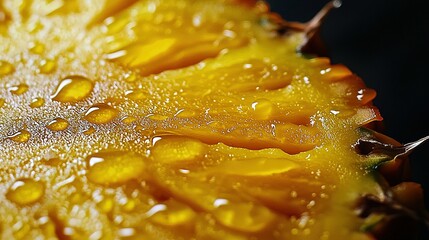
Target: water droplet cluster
column 152, row 119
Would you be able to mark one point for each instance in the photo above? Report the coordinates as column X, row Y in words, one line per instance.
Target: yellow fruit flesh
column 172, row 119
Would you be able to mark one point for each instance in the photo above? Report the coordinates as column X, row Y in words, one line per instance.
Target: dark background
column 385, row 42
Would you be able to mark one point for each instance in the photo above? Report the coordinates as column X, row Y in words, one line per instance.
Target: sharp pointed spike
column 409, row 147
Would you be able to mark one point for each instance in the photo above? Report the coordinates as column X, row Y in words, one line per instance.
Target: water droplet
column 73, row 89
column 365, row 95
column 185, row 113
column 130, row 77
column 217, row 124
column 2, row 101
column 89, row 131
column 178, row 149
column 136, row 94
column 129, row 120
column 37, row 47
column 157, row 117
column 100, row 113
column 336, row 72
column 343, row 112
column 114, row 167
column 37, row 102
column 19, row 89
column 335, row 112
column 245, row 217
column 263, row 109
column 25, row 191
column 47, row 66
column 58, row 124
column 171, row 213
column 20, row 136
column 6, row 68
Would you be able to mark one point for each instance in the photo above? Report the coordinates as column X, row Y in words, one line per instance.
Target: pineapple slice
column 175, row 119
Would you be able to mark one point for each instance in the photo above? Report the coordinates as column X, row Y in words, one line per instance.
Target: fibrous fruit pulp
column 176, row 119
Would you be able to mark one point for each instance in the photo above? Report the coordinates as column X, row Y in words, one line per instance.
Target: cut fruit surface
column 173, row 119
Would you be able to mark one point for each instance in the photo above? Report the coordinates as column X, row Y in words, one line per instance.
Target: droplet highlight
column 244, row 217
column 178, row 149
column 37, row 102
column 21, row 136
column 114, row 167
column 25, row 191
column 101, row 113
column 89, row 131
column 37, row 48
column 73, row 89
column 58, row 124
column 19, row 89
column 47, row 66
column 171, row 213
column 263, row 109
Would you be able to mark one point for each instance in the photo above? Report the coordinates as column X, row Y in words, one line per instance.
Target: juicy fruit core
column 176, row 119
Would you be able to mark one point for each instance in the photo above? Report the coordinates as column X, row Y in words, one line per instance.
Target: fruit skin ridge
column 144, row 106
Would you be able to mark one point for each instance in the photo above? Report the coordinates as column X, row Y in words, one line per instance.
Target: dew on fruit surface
column 89, row 131
column 73, row 89
column 336, row 72
column 25, row 191
column 114, row 167
column 219, row 202
column 136, row 94
column 21, row 136
column 263, row 109
column 6, row 68
column 365, row 95
column 185, row 113
column 335, row 112
column 37, row 102
column 37, row 47
column 2, row 101
column 101, row 113
column 19, row 89
column 178, row 149
column 171, row 213
column 157, row 117
column 343, row 113
column 130, row 77
column 47, row 66
column 129, row 120
column 244, row 217
column 324, row 71
column 58, row 124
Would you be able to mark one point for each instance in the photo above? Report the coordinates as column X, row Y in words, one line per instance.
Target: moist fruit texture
column 179, row 119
